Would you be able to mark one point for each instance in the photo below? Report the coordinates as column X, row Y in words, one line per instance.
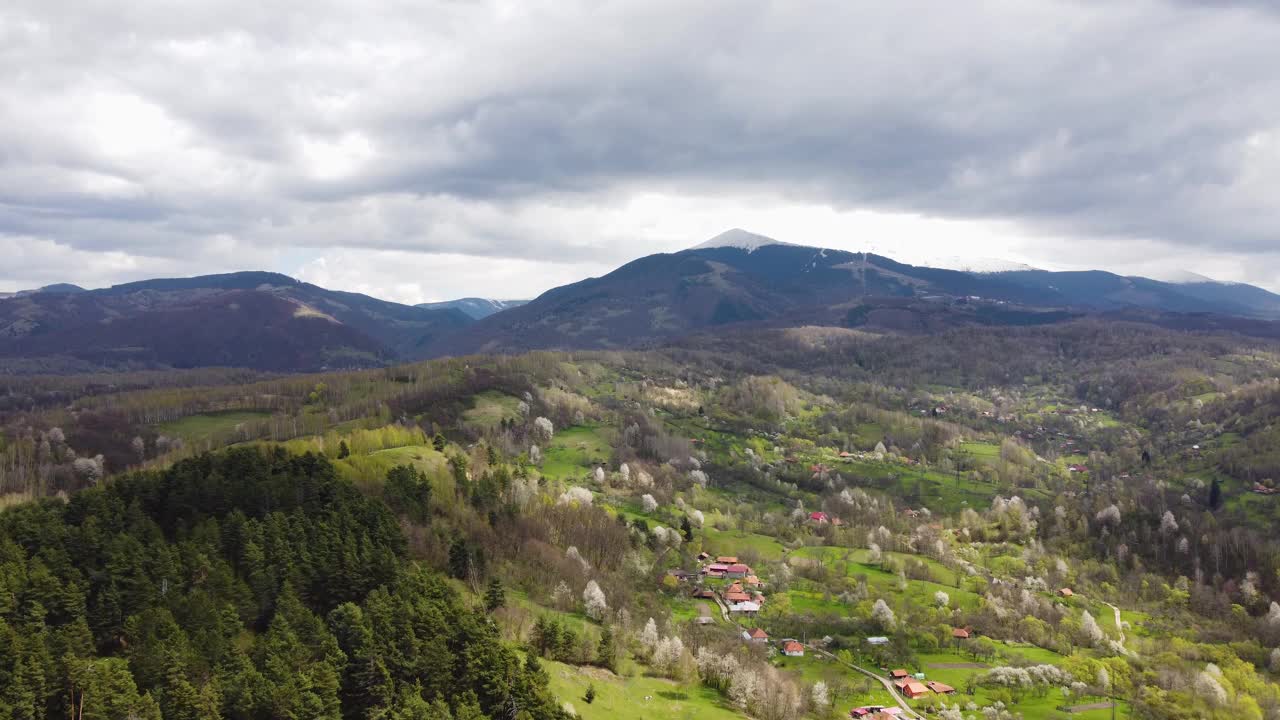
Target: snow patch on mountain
column 1183, row 277
column 971, row 264
column 740, row 239
column 476, row 308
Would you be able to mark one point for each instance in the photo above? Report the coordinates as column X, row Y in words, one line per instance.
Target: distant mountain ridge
column 270, row 321
column 260, row 320
column 741, row 277
column 476, row 308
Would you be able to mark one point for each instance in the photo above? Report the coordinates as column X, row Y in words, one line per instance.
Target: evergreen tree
column 606, row 653
column 494, row 596
column 686, row 528
column 343, row 451
column 459, row 559
column 366, row 682
column 408, row 492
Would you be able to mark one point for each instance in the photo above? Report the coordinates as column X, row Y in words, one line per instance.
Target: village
column 739, row 594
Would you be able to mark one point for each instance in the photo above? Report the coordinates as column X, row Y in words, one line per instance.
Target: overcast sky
column 424, row 150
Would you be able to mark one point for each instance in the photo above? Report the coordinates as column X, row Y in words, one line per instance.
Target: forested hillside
column 249, row 584
column 1042, row 522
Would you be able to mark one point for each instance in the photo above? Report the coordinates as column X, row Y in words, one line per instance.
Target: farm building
column 914, row 689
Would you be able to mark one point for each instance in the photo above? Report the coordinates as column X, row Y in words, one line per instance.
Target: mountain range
column 260, row 320
column 273, row 322
column 476, row 308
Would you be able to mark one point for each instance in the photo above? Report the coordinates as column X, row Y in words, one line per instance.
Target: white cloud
column 551, row 137
column 410, row 277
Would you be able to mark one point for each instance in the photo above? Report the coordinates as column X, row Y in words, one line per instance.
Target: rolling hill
column 258, row 320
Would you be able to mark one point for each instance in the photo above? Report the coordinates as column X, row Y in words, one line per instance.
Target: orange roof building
column 914, row 689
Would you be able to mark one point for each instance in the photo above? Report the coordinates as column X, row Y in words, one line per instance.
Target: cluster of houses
column 742, row 596
column 789, row 646
column 915, row 686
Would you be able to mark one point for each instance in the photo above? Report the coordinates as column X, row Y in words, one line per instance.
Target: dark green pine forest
column 250, row 584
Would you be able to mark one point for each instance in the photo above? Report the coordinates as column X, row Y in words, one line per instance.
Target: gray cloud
column 493, row 129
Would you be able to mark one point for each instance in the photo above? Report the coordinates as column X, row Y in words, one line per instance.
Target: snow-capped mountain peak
column 1182, row 277
column 740, row 239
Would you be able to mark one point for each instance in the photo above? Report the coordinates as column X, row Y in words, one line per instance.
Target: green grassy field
column 737, row 542
column 490, row 409
column 848, row 689
column 574, row 451
column 981, row 450
column 197, row 428
column 1031, row 707
column 624, row 698
column 882, row 583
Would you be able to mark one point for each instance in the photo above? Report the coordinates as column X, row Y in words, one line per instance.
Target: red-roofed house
column 899, row 674
column 940, row 688
column 914, row 689
column 819, row 517
column 791, row 648
column 960, row 633
column 736, row 597
column 727, row 559
column 737, row 570
column 756, row 635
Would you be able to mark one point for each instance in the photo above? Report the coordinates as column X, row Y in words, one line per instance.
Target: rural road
column 724, row 611
column 1119, row 625
column 893, row 691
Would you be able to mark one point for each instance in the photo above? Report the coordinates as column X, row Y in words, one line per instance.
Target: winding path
column 724, row 611
column 893, row 691
column 1119, row 623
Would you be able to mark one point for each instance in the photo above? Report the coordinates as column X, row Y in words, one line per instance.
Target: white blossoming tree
column 821, row 697
column 543, row 430
column 593, row 601
column 883, row 615
column 649, row 636
column 1089, row 629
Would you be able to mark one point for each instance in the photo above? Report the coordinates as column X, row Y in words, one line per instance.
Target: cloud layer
column 540, row 140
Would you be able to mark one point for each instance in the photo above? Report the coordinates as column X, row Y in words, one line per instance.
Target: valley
column 1065, row 531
